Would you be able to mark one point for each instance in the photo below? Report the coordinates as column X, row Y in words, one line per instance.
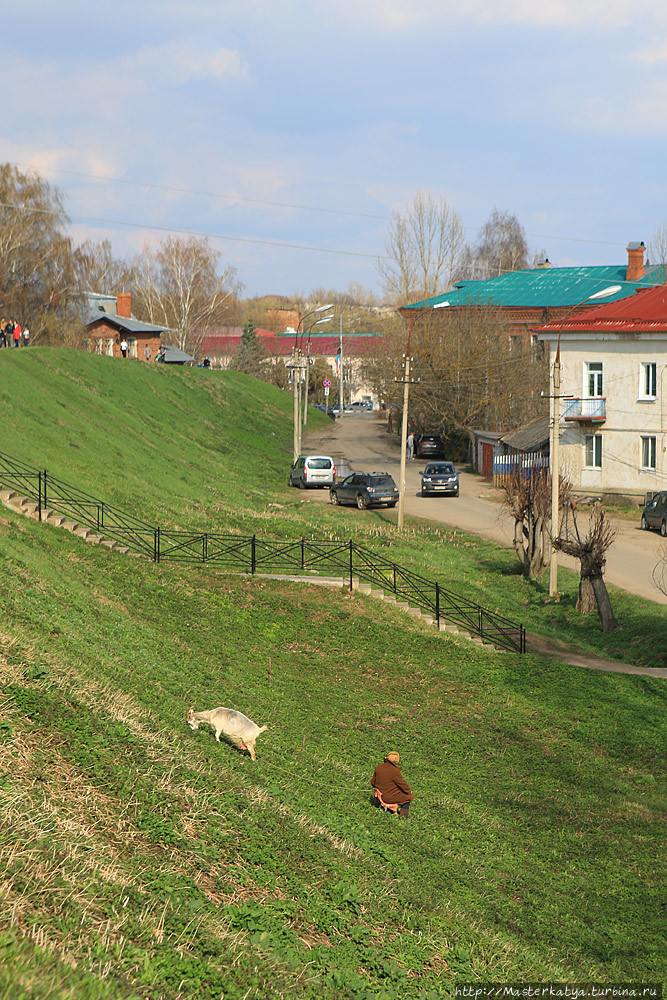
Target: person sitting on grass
column 392, row 787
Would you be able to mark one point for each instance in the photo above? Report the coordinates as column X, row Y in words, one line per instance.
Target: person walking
column 410, row 444
column 147, row 352
column 123, row 348
column 391, row 784
column 17, row 333
column 3, row 332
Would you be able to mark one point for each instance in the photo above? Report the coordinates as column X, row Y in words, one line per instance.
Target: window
column 648, row 452
column 593, row 451
column 538, row 348
column 516, row 344
column 108, row 347
column 98, row 345
column 594, row 378
column 132, row 347
column 648, row 380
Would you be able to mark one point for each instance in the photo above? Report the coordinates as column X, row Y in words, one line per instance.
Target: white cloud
column 653, row 54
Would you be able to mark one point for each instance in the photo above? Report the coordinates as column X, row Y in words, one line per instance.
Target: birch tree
column 423, row 246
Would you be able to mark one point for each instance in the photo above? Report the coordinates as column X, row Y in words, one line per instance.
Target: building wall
column 630, row 414
column 104, row 338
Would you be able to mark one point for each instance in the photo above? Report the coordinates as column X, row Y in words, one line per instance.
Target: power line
column 282, row 204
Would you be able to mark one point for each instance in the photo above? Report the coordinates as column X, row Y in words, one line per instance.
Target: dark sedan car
column 429, row 446
column 654, row 514
column 440, row 477
column 366, row 489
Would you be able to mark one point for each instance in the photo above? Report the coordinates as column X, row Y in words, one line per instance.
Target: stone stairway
column 380, row 595
column 23, row 505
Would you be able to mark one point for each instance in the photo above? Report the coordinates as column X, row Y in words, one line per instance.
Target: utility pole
column 341, row 406
column 305, row 398
column 296, row 368
column 555, row 470
column 407, row 381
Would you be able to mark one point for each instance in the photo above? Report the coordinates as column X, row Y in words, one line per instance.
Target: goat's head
column 190, row 718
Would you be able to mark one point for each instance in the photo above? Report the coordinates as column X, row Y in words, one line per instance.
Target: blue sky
column 556, row 112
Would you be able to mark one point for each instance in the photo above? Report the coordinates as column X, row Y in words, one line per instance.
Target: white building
column 613, row 434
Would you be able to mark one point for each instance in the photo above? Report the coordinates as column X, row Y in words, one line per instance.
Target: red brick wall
column 102, row 330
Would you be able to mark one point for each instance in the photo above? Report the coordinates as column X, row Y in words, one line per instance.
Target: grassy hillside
column 211, row 450
column 141, row 860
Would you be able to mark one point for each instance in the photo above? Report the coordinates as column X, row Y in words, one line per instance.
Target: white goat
column 237, row 727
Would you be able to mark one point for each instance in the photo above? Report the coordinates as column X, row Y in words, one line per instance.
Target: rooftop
column 643, row 312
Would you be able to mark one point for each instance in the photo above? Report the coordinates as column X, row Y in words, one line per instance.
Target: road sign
column 326, row 390
column 327, row 383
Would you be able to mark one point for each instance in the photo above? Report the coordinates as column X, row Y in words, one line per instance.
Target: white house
column 613, row 434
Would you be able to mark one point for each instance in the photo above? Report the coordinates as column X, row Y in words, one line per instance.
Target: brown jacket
column 391, row 784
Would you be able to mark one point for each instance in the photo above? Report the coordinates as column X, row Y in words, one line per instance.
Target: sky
column 275, row 126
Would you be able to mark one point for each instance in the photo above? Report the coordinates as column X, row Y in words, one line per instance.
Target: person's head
column 393, row 757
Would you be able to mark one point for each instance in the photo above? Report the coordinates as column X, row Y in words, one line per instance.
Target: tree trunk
column 605, row 612
column 586, row 599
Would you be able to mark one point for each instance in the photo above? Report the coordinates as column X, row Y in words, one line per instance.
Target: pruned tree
column 591, row 551
column 528, row 498
column 501, row 247
column 423, row 246
column 657, row 249
column 179, row 285
column 37, row 278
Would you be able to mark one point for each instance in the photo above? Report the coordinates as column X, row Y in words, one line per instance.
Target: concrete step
column 428, row 619
column 6, row 495
column 56, row 519
column 29, row 508
column 82, row 531
column 364, row 588
column 445, row 627
column 379, row 594
column 70, row 525
column 414, row 611
column 403, row 605
column 109, row 543
column 46, row 511
column 122, row 548
column 94, row 539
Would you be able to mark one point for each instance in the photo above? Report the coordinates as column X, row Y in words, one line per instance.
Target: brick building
column 110, row 321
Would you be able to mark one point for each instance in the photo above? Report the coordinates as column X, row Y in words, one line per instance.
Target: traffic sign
column 326, row 390
column 327, row 383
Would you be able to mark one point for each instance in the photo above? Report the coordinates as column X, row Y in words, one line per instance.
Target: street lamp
column 297, row 367
column 555, row 435
column 327, row 319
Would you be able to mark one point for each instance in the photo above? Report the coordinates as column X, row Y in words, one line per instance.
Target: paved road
column 363, row 440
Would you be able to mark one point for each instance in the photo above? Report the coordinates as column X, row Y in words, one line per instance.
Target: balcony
column 593, row 410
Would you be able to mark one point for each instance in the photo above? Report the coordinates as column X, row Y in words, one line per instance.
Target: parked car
column 361, row 405
column 654, row 514
column 325, row 409
column 429, row 446
column 366, row 489
column 440, row 477
column 312, row 471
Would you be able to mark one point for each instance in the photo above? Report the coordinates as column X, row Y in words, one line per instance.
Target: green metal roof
column 540, row 288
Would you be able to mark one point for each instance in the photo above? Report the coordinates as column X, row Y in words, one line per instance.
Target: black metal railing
column 251, row 554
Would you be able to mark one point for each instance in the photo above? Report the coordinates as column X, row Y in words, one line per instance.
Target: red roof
column 283, row 344
column 643, row 312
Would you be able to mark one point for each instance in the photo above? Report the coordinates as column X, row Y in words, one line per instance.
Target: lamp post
column 555, row 435
column 327, row 319
column 297, row 367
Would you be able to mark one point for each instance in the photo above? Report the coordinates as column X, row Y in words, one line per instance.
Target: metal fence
column 251, row 554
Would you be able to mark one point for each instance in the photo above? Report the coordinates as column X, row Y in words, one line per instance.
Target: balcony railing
column 594, row 410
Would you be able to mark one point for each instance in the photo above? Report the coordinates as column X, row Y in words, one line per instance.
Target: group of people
column 12, row 334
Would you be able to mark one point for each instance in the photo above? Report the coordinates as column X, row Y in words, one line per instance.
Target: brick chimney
column 635, row 269
column 124, row 307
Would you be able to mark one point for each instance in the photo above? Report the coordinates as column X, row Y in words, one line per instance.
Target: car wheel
column 644, row 524
column 456, row 494
column 334, row 498
column 425, row 493
column 663, row 528
column 362, row 502
column 392, row 504
column 301, row 484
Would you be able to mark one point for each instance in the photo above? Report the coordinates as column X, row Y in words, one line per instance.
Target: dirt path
column 362, row 439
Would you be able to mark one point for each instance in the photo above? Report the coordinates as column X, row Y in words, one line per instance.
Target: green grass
column 195, row 449
column 141, row 860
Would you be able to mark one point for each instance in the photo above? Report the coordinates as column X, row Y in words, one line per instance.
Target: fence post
column 350, row 543
column 204, row 547
column 156, row 545
column 302, row 553
column 480, row 627
column 253, row 557
column 437, row 605
column 39, row 495
column 44, row 487
column 394, row 572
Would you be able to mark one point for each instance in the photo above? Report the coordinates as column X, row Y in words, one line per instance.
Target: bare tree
column 528, row 498
column 657, row 248
column 179, row 286
column 501, row 247
column 423, row 245
column 37, row 277
column 591, row 552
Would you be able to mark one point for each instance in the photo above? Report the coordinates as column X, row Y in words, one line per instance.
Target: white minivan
column 312, row 470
